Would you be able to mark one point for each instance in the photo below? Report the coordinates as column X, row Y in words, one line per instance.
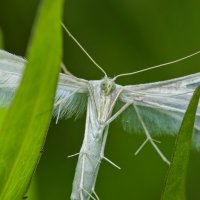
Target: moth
column 150, row 109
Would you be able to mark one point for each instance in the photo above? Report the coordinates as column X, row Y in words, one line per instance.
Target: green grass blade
column 1, row 39
column 176, row 179
column 33, row 191
column 24, row 128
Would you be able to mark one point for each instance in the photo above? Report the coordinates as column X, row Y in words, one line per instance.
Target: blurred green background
column 122, row 36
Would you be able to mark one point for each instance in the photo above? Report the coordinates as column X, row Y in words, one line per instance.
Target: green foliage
column 24, row 128
column 122, row 36
column 1, row 39
column 176, row 179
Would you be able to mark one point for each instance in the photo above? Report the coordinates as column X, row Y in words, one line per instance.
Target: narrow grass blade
column 33, row 191
column 176, row 179
column 24, row 128
column 1, row 39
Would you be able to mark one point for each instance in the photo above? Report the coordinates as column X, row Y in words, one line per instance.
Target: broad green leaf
column 25, row 125
column 33, row 192
column 1, row 39
column 176, row 179
column 2, row 110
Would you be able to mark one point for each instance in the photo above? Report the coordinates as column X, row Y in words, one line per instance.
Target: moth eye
column 103, row 85
column 113, row 86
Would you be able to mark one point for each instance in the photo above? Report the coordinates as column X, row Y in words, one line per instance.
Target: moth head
column 107, row 85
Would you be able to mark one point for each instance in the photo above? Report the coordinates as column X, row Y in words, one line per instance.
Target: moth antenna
column 157, row 66
column 64, row 68
column 81, row 47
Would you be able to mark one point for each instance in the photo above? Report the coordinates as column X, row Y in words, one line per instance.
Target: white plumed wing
column 162, row 106
column 11, row 68
column 71, row 94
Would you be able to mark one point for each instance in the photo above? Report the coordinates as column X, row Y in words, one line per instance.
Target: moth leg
column 88, row 194
column 93, row 187
column 82, row 189
column 95, row 194
column 83, row 171
column 115, row 100
column 81, row 194
column 149, row 138
column 105, row 135
column 103, row 147
column 112, row 163
column 73, row 155
column 122, row 109
column 141, row 146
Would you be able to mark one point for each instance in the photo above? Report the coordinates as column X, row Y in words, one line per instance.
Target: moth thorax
column 107, row 86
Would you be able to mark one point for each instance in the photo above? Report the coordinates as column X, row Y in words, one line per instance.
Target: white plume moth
column 151, row 109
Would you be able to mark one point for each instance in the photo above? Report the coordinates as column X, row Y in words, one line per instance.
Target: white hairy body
column 99, row 110
column 156, row 108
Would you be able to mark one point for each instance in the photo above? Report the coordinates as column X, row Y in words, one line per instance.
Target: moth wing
column 71, row 94
column 11, row 63
column 11, row 68
column 162, row 106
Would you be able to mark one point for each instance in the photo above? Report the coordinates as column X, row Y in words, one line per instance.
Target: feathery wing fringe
column 68, row 105
column 11, row 68
column 155, row 120
column 67, row 102
column 162, row 106
column 71, row 97
column 158, row 121
column 11, row 63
